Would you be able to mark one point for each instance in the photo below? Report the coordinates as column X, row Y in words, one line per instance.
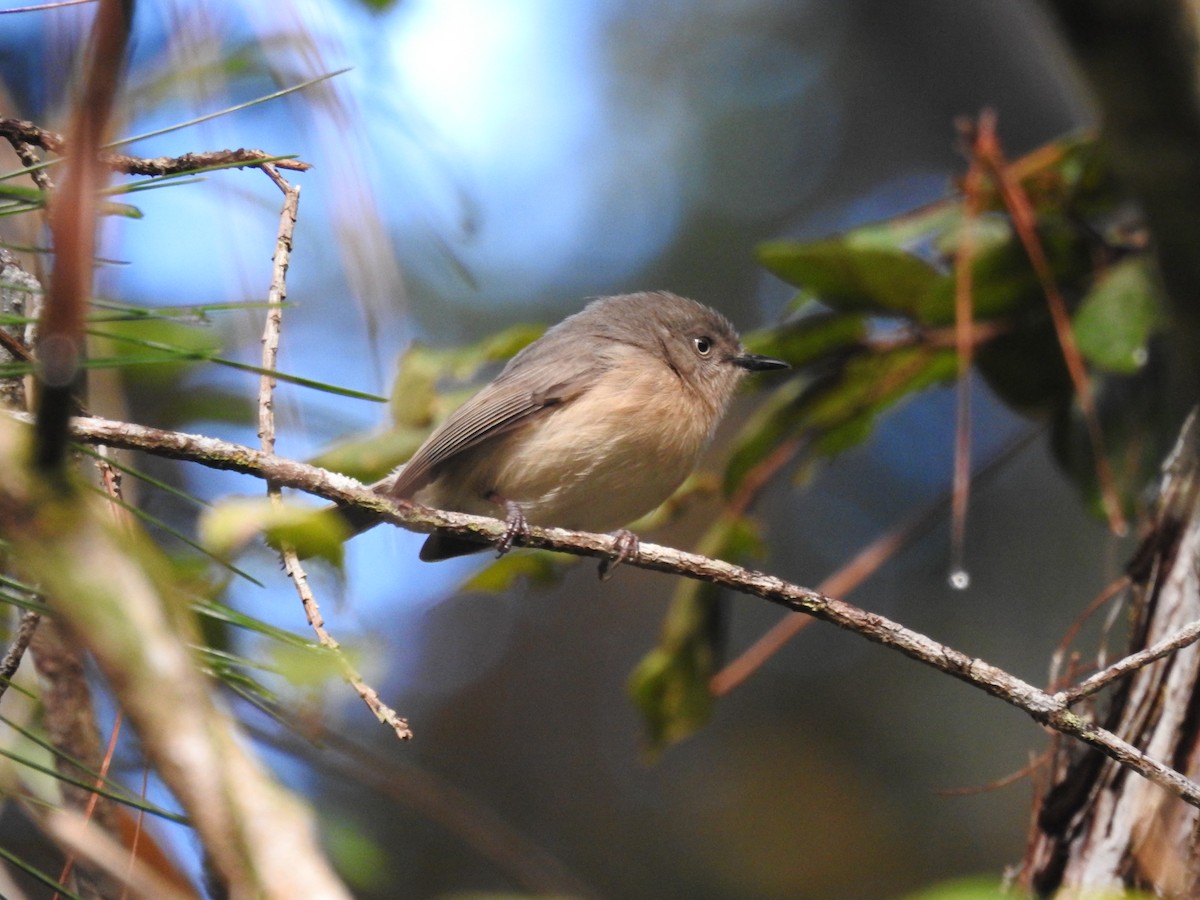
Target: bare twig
column 1002, row 782
column 16, row 651
column 81, row 837
column 19, row 131
column 273, row 326
column 841, row 583
column 1068, row 638
column 73, row 227
column 964, row 320
column 1168, row 645
column 272, row 330
column 37, row 169
column 190, row 162
column 1024, row 219
column 849, row 576
column 42, row 7
column 1041, row 706
column 384, row 713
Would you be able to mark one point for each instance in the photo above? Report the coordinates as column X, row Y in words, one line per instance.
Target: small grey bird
column 589, row 427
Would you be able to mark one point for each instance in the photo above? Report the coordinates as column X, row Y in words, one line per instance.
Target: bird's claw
column 625, row 546
column 517, row 527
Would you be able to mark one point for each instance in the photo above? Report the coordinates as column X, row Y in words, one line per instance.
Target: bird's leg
column 626, row 546
column 514, row 516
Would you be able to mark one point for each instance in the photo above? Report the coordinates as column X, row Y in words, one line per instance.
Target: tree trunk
column 1100, row 826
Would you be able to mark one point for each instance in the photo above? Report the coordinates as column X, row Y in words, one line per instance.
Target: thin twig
column 272, row 330
column 20, row 131
column 29, row 159
column 108, row 855
column 1004, row 781
column 1068, row 638
column 384, row 713
column 865, row 563
column 842, row 582
column 93, row 800
column 42, row 7
column 1177, row 641
column 73, row 228
column 1024, row 220
column 964, row 320
column 16, row 651
column 273, row 326
column 1044, row 708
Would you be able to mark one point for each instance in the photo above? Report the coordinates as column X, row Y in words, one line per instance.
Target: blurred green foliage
column 430, row 384
column 873, row 324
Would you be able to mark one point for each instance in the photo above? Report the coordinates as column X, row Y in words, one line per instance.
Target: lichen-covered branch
column 1047, row 709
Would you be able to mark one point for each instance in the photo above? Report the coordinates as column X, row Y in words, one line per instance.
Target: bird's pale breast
column 595, row 463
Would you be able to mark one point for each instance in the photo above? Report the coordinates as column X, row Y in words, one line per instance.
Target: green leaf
column 1137, row 433
column 416, row 400
column 541, row 567
column 202, row 356
column 1003, row 280
column 1072, row 173
column 373, row 456
column 1025, row 366
column 841, row 412
column 810, row 338
column 231, row 524
column 213, row 611
column 419, row 401
column 33, row 196
column 1114, row 323
column 359, row 857
column 774, row 420
column 124, row 210
column 910, row 231
column 415, row 389
column 853, row 278
column 838, row 410
column 309, row 665
column 669, row 686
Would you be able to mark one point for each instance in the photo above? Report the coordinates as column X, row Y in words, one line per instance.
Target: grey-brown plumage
column 589, row 427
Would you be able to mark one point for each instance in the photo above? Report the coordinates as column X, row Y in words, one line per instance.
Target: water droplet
column 960, row 580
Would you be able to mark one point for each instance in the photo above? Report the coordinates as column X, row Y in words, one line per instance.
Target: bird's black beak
column 754, row 363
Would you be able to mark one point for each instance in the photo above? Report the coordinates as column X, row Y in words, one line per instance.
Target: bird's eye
column 703, row 345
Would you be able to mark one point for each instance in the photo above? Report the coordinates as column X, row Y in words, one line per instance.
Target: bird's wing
column 518, row 396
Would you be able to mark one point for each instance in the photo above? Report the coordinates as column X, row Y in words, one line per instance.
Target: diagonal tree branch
column 1047, row 709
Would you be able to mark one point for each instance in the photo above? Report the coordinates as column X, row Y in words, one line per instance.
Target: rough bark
column 1097, row 827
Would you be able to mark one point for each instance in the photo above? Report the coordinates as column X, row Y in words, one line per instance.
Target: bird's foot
column 625, row 547
column 514, row 516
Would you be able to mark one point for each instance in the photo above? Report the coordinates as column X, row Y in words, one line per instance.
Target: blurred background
column 485, row 162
